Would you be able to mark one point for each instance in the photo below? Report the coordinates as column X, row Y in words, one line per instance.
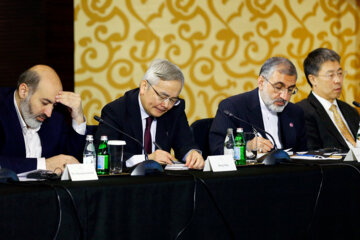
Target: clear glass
column 116, row 160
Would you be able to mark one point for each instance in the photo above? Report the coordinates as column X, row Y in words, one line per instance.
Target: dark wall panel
column 36, row 32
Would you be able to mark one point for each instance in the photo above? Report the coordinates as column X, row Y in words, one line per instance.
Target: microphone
column 100, row 120
column 271, row 158
column 356, row 103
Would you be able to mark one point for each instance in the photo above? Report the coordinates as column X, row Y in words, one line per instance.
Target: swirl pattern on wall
column 219, row 45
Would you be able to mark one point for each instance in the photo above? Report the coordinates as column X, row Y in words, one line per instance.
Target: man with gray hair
column 155, row 115
column 266, row 107
column 330, row 122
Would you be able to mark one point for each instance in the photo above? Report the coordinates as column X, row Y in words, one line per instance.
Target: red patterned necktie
column 147, row 135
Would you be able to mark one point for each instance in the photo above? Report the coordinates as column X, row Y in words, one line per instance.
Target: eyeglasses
column 279, row 87
column 173, row 101
column 331, row 76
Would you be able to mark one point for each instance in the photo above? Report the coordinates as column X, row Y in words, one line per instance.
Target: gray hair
column 162, row 69
column 280, row 64
column 30, row 78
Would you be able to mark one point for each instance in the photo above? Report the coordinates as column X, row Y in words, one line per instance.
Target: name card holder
column 353, row 155
column 220, row 163
column 79, row 172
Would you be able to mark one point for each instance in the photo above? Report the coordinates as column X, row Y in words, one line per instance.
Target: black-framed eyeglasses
column 173, row 101
column 279, row 87
column 331, row 76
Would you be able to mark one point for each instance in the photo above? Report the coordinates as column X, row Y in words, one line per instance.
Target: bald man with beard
column 41, row 126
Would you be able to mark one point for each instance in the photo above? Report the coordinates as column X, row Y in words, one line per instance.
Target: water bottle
column 229, row 143
column 239, row 148
column 103, row 157
column 89, row 155
column 358, row 138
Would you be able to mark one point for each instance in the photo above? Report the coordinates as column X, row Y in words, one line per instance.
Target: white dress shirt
column 271, row 122
column 326, row 105
column 32, row 140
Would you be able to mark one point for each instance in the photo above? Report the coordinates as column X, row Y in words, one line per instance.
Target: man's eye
column 331, row 75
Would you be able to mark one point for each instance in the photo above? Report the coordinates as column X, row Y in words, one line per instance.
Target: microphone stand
column 271, row 158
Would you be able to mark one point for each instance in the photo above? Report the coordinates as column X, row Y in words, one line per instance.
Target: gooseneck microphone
column 252, row 126
column 356, row 103
column 271, row 158
column 100, row 120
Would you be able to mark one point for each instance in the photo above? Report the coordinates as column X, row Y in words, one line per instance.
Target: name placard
column 220, row 163
column 79, row 172
column 353, row 155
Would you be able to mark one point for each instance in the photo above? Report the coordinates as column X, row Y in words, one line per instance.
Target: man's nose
column 48, row 110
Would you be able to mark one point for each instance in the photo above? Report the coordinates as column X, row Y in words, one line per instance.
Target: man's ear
column 312, row 80
column 143, row 86
column 261, row 82
column 23, row 90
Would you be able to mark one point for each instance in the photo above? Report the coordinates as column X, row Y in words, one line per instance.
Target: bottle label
column 89, row 159
column 102, row 163
column 237, row 153
column 228, row 151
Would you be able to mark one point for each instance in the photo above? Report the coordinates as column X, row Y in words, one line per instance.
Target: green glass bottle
column 103, row 157
column 239, row 148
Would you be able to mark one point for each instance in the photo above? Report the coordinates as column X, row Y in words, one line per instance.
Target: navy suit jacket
column 56, row 135
column 172, row 129
column 247, row 107
column 321, row 131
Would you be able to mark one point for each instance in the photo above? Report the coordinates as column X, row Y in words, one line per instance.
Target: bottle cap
column 103, row 138
column 89, row 137
column 229, row 130
column 239, row 130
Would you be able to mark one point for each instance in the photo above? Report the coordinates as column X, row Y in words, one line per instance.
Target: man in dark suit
column 267, row 107
column 155, row 116
column 330, row 123
column 34, row 134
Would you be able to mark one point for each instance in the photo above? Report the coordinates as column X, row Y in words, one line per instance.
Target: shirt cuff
column 41, row 164
column 135, row 159
column 79, row 128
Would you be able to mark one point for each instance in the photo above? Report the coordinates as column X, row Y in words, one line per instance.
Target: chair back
column 200, row 130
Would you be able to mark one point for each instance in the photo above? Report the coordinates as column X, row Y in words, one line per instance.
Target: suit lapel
column 349, row 118
column 135, row 122
column 254, row 110
column 287, row 129
column 326, row 119
column 162, row 132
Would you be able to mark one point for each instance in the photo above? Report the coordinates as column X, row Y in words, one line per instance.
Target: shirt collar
column 143, row 113
column 325, row 103
column 21, row 120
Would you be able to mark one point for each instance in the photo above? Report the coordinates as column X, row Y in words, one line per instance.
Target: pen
column 158, row 146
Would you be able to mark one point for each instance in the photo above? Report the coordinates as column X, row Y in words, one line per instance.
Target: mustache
column 280, row 100
column 43, row 116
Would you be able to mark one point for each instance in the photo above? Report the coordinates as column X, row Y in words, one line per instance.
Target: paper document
column 176, row 166
column 314, row 157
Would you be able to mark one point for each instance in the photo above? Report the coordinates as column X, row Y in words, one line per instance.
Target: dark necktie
column 147, row 135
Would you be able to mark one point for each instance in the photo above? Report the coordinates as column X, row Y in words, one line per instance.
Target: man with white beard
column 266, row 107
column 36, row 130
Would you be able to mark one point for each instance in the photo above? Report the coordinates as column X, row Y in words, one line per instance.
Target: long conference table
column 287, row 201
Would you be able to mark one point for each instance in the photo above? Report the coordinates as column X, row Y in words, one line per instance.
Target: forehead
column 47, row 90
column 286, row 80
column 329, row 66
column 170, row 87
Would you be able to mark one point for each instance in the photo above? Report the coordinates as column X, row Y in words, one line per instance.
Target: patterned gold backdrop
column 219, row 44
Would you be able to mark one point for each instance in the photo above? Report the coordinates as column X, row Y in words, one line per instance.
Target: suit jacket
column 247, row 107
column 321, row 131
column 172, row 129
column 56, row 136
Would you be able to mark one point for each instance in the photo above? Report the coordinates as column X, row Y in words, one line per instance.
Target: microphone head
column 356, row 103
column 97, row 118
column 227, row 113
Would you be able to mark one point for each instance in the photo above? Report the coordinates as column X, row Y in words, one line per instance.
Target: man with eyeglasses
column 330, row 123
column 153, row 114
column 266, row 107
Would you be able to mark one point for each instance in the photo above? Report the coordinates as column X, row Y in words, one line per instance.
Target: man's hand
column 161, row 157
column 263, row 145
column 73, row 101
column 59, row 162
column 194, row 160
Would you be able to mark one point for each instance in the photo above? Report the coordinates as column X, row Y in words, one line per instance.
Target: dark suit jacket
column 247, row 107
column 321, row 131
column 124, row 113
column 56, row 135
